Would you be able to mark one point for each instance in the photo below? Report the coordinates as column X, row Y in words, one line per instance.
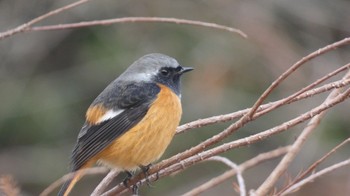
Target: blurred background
column 48, row 79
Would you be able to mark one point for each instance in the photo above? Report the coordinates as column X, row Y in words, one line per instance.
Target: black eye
column 164, row 72
column 178, row 68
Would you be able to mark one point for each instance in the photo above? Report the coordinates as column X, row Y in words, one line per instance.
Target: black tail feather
column 64, row 187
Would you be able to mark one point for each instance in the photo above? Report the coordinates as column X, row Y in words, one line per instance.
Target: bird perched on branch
column 131, row 123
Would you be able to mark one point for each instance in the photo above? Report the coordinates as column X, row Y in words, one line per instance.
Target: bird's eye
column 164, row 72
column 178, row 69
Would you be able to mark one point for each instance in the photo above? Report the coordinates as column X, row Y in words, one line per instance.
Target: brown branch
column 59, row 182
column 234, row 166
column 313, row 166
column 268, row 184
column 26, row 26
column 105, row 182
column 244, row 166
column 135, row 20
column 316, row 175
column 292, row 69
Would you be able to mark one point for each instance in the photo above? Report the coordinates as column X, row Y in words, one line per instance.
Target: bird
column 132, row 121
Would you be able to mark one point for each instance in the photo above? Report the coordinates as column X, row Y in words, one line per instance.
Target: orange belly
column 147, row 141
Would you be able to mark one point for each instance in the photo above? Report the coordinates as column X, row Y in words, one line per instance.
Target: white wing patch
column 109, row 114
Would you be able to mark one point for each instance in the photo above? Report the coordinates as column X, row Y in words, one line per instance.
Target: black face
column 170, row 77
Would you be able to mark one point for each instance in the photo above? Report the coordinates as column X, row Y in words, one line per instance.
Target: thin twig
column 244, row 166
column 290, row 98
column 105, row 182
column 292, row 69
column 135, row 20
column 268, row 184
column 59, row 182
column 313, row 166
column 26, row 26
column 316, row 175
column 322, row 89
column 234, row 166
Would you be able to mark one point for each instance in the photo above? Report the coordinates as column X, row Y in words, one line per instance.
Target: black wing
column 135, row 101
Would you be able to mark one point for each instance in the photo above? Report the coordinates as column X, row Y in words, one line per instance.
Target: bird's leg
column 127, row 179
column 145, row 172
column 157, row 176
column 134, row 188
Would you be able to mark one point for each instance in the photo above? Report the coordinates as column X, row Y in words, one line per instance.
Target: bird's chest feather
column 147, row 141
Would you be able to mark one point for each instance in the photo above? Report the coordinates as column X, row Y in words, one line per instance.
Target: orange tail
column 69, row 184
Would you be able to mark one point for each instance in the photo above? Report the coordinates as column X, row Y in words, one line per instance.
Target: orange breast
column 147, row 141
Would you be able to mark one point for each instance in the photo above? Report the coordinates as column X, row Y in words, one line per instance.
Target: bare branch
column 296, row 147
column 292, row 69
column 234, row 166
column 26, row 26
column 244, row 166
column 313, row 166
column 135, row 20
column 105, row 182
column 311, row 178
column 59, row 182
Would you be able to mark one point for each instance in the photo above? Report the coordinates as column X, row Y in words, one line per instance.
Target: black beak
column 185, row 69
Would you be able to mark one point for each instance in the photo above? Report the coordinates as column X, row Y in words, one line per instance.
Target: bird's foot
column 134, row 188
column 129, row 175
column 145, row 172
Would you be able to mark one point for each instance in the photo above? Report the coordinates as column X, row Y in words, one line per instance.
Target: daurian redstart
column 131, row 123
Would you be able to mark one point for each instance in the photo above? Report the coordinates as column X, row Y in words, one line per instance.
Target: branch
column 59, row 182
column 313, row 166
column 296, row 147
column 244, row 166
column 105, row 182
column 135, row 20
column 316, row 175
column 292, row 69
column 26, row 26
column 234, row 166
